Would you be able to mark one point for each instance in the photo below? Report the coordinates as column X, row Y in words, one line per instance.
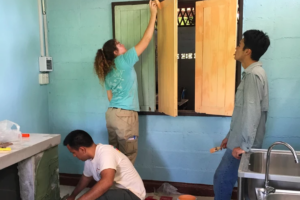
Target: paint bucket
column 187, row 197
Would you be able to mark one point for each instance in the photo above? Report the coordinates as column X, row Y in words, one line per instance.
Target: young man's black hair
column 257, row 41
column 78, row 138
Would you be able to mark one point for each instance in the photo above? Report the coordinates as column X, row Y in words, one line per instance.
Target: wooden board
column 216, row 31
column 167, row 48
column 131, row 21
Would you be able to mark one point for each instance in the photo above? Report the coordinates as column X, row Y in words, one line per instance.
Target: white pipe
column 45, row 28
column 41, row 28
column 46, row 35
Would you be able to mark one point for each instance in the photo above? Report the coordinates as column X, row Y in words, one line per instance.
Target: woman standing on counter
column 114, row 65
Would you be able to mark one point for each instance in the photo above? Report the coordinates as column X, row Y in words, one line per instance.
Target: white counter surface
column 28, row 147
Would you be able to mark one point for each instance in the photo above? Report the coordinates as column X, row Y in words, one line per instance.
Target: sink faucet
column 269, row 189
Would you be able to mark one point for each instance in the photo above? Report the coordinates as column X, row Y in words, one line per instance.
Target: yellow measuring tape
column 5, row 149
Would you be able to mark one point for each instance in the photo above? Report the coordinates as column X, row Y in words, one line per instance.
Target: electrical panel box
column 45, row 64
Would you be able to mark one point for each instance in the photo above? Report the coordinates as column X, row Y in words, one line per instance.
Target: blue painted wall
column 282, row 64
column 22, row 99
column 170, row 149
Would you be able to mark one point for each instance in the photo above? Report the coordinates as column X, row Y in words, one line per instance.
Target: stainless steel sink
column 284, row 174
column 282, row 165
column 278, row 195
column 279, row 163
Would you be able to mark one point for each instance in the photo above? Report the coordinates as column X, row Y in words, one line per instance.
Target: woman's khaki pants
column 122, row 126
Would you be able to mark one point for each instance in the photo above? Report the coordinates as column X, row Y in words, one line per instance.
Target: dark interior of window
column 186, row 56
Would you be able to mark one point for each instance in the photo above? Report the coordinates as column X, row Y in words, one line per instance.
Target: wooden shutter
column 216, row 30
column 131, row 22
column 167, row 48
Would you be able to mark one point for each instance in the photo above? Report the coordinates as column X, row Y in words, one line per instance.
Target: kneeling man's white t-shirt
column 126, row 177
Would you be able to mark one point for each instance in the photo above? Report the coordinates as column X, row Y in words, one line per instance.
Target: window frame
column 238, row 64
column 113, row 4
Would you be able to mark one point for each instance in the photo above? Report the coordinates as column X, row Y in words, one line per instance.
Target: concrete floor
column 64, row 190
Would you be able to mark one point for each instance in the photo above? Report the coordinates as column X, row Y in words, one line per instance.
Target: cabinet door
column 131, row 22
column 216, row 33
column 167, row 48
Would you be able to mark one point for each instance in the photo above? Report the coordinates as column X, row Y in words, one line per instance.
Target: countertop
column 28, row 147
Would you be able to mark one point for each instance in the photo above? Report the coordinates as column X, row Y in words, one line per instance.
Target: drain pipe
column 41, row 28
column 45, row 28
column 45, row 62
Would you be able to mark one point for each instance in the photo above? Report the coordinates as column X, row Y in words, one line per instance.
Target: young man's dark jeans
column 118, row 194
column 226, row 176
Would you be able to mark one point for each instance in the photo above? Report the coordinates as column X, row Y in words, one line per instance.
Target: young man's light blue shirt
column 247, row 129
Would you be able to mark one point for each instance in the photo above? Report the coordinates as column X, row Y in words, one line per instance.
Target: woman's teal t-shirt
column 122, row 81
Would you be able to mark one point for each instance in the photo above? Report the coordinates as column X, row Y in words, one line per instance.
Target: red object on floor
column 161, row 198
column 150, row 198
column 166, row 198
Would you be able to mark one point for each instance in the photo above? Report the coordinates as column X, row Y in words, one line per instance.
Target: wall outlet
column 44, row 79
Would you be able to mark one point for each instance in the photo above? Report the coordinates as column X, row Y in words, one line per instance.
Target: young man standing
column 249, row 117
column 108, row 166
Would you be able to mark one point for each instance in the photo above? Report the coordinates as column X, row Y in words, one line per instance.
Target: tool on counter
column 5, row 149
column 215, row 149
column 4, row 145
column 25, row 135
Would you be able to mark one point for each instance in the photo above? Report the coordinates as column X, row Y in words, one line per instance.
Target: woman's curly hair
column 104, row 60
